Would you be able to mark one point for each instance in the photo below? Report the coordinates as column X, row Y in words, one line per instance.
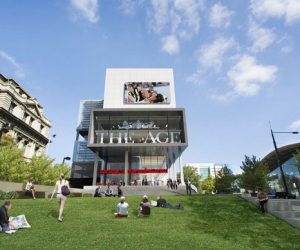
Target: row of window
column 27, row 119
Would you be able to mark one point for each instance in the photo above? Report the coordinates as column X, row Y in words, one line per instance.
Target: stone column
column 126, row 168
column 181, row 169
column 96, row 162
column 102, row 168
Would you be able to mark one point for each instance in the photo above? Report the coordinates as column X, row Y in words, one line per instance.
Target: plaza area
column 207, row 222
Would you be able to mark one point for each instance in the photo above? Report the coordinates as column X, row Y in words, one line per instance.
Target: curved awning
column 285, row 153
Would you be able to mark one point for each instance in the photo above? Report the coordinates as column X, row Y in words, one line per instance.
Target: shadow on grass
column 52, row 213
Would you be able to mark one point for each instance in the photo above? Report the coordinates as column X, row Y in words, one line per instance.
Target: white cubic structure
column 139, row 134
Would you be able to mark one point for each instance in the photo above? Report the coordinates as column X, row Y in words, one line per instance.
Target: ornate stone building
column 22, row 117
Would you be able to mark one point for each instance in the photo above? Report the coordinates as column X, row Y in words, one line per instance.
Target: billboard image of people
column 147, row 92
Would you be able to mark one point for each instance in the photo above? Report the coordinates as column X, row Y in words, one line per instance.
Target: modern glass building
column 83, row 157
column 205, row 170
column 290, row 169
column 139, row 134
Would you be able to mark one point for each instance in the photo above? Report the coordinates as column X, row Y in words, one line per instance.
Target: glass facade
column 83, row 157
column 143, row 143
column 292, row 176
column 127, row 127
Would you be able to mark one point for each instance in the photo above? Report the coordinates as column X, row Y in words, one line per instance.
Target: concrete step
column 152, row 190
column 288, row 214
column 296, row 208
column 295, row 222
column 284, row 205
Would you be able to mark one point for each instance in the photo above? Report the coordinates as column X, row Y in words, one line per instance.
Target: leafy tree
column 190, row 173
column 209, row 184
column 61, row 168
column 224, row 181
column 6, row 140
column 12, row 164
column 40, row 170
column 255, row 174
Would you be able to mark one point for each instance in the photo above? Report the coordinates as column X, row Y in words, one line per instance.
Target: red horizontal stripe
column 135, row 171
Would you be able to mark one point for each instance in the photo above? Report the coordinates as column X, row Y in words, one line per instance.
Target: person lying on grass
column 122, row 208
column 145, row 207
column 160, row 202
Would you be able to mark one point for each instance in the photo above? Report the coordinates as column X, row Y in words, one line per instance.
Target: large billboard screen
column 147, row 93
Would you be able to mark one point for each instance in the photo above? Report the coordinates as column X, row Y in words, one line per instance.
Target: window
column 12, row 106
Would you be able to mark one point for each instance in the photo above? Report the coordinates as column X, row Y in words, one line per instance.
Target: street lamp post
column 278, row 158
column 66, row 158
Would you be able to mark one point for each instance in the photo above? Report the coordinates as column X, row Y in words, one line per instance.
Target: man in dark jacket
column 163, row 203
column 4, row 218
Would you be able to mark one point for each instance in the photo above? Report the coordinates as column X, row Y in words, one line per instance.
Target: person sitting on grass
column 145, row 207
column 98, row 192
column 4, row 218
column 30, row 188
column 109, row 192
column 122, row 208
column 262, row 199
column 120, row 191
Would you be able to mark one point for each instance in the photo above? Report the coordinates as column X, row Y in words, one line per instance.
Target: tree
column 255, row 174
column 209, row 184
column 224, row 181
column 190, row 173
column 39, row 170
column 12, row 164
column 42, row 170
column 61, row 168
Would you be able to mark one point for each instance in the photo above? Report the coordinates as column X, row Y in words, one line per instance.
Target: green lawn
column 207, row 222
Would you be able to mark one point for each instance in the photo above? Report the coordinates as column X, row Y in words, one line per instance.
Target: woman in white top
column 122, row 208
column 60, row 197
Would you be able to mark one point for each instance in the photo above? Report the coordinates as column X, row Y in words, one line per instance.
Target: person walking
column 61, row 195
column 188, row 185
column 262, row 199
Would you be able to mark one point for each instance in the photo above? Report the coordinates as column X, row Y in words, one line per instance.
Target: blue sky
column 236, row 64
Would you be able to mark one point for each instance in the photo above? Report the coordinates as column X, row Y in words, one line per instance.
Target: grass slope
column 207, row 222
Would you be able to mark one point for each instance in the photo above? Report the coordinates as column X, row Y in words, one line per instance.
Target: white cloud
column 247, row 76
column 177, row 18
column 295, row 125
column 86, row 9
column 220, row 16
column 128, row 7
column 170, row 44
column 260, row 37
column 182, row 14
column 287, row 9
column 212, row 55
column 11, row 62
column 246, row 79
column 224, row 97
column 287, row 49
